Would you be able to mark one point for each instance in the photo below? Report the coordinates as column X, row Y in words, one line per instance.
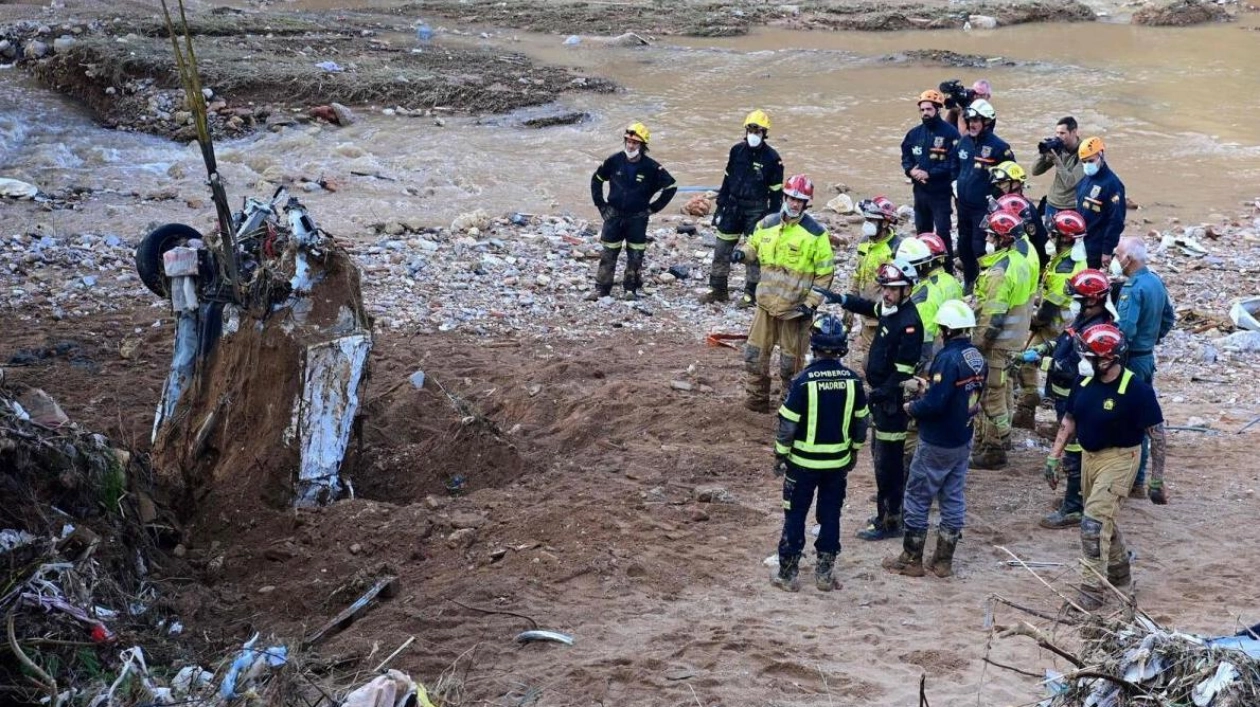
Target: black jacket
column 896, row 350
column 632, row 185
column 754, row 179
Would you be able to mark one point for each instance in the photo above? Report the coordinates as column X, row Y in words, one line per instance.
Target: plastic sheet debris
column 13, row 539
column 393, row 689
column 417, row 379
column 1205, row 692
column 1245, row 313
column 249, row 665
column 189, row 679
column 1246, row 644
column 538, row 635
column 329, row 66
column 15, row 189
column 100, row 633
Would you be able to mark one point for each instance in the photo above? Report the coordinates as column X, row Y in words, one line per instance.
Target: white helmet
column 955, row 314
column 914, row 251
column 980, row 108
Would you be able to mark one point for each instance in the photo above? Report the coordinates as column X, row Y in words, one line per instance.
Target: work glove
column 1030, row 356
column 1052, row 471
column 737, row 256
column 806, row 311
column 780, row 466
column 912, row 387
column 1155, row 492
column 831, row 297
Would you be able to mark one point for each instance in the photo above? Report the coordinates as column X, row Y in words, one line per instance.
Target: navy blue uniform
column 752, row 187
column 892, row 359
column 625, row 212
column 970, row 165
column 1113, row 415
column 928, row 147
column 822, row 425
column 956, row 378
column 1101, row 200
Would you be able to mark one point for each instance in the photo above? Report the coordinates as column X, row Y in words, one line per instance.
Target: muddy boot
column 988, row 458
column 598, row 293
column 632, row 295
column 1058, row 519
column 877, row 529
column 717, row 291
column 910, row 561
column 824, row 578
column 1120, row 575
column 942, row 564
column 1090, row 598
column 785, row 577
column 748, row 300
column 607, row 270
column 632, row 279
column 1025, row 418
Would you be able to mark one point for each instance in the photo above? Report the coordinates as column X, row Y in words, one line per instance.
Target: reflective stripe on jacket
column 794, row 258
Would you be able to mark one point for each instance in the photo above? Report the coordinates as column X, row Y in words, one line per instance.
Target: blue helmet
column 828, row 335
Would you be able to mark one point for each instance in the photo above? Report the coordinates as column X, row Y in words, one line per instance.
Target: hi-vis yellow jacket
column 794, row 257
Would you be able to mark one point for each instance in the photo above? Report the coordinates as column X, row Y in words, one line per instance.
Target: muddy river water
column 1179, row 108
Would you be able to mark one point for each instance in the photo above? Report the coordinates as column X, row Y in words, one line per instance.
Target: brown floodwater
column 1178, row 109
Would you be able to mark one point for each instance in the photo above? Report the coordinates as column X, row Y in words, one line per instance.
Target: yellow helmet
column 640, row 131
column 1090, row 147
column 1008, row 171
column 757, row 118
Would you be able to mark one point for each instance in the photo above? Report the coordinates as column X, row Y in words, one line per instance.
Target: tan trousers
column 995, row 404
column 1106, row 478
column 792, row 338
column 1029, row 385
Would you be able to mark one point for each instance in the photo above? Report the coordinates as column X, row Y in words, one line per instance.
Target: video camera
column 1050, row 144
column 956, row 94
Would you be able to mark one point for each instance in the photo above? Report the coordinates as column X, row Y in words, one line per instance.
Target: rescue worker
column 1100, row 199
column 927, row 254
column 1059, row 153
column 1109, row 412
column 1145, row 317
column 1089, row 291
column 878, row 246
column 794, row 252
column 939, row 470
column 892, row 359
column 1052, row 306
column 925, row 153
column 1003, row 292
column 978, row 150
column 1008, row 180
column 822, row 425
column 633, row 178
column 751, row 189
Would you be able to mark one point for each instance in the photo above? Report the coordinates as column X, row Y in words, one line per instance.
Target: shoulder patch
column 974, row 359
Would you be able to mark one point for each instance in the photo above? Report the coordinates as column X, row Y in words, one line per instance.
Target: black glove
column 831, row 297
column 607, row 212
column 1155, row 492
column 780, row 466
column 737, row 256
column 806, row 311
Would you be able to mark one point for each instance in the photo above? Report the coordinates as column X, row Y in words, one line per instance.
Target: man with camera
column 958, row 97
column 978, row 151
column 925, row 160
column 1059, row 153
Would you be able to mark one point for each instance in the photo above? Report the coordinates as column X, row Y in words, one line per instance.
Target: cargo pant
column 994, row 431
column 937, row 473
column 792, row 338
column 720, row 271
column 1029, row 374
column 887, row 457
column 629, row 230
column 1106, row 477
column 799, row 487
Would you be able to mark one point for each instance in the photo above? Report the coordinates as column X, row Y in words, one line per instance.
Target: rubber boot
column 890, row 527
column 606, row 271
column 717, row 291
column 599, row 292
column 1058, row 520
column 1062, row 517
column 632, row 279
column 786, row 576
column 943, row 557
column 748, row 300
column 1120, row 575
column 824, row 577
column 910, row 561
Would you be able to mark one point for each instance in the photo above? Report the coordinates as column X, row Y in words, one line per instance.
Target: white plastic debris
column 15, row 189
column 13, row 539
column 190, row 678
column 1244, row 313
column 332, row 377
column 250, row 663
column 1205, row 692
column 1246, row 341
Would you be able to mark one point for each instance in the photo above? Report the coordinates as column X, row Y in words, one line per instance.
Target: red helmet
column 1089, row 284
column 799, row 186
column 935, row 243
column 1016, row 204
column 1005, row 225
column 1068, row 224
column 879, row 209
column 1103, row 341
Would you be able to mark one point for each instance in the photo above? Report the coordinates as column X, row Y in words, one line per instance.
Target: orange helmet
column 933, row 96
column 1090, row 146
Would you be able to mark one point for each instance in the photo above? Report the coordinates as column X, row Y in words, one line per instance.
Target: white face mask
column 1078, row 250
column 1051, row 249
column 631, row 153
column 790, row 213
column 990, row 247
column 885, row 309
column 1084, row 369
column 1116, row 269
column 869, row 229
column 753, row 139
column 1075, row 308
